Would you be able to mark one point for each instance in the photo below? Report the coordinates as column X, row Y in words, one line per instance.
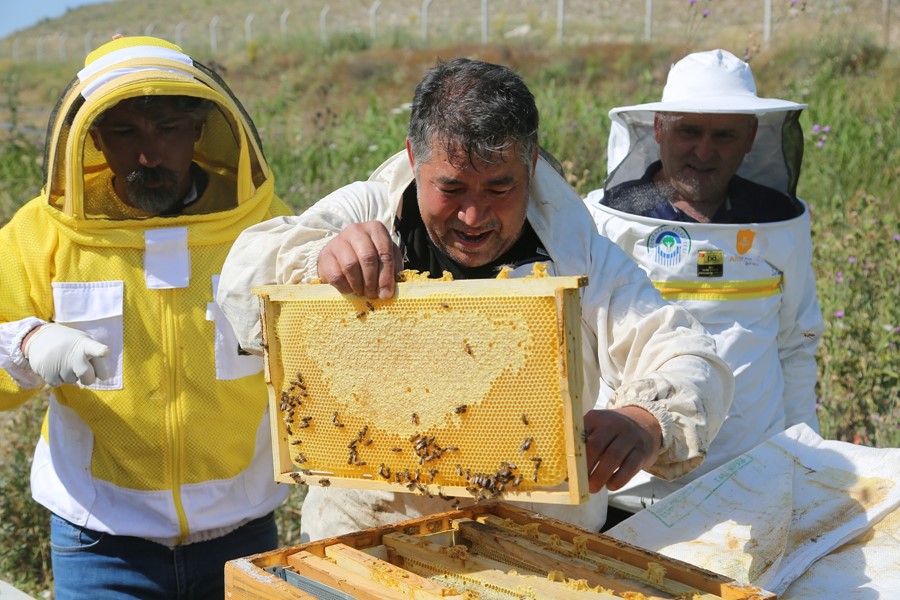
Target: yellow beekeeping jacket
column 175, row 445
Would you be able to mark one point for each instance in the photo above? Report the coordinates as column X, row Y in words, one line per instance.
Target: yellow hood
column 229, row 146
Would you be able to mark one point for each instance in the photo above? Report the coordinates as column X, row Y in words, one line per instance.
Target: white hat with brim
column 715, row 81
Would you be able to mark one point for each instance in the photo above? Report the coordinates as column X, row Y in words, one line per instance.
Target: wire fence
column 216, row 31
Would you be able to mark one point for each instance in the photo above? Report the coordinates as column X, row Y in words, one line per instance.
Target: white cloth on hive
column 765, row 517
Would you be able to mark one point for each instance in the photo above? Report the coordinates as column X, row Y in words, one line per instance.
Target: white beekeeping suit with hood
column 749, row 282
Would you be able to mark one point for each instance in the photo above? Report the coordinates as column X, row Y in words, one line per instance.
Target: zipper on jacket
column 174, row 417
column 719, row 290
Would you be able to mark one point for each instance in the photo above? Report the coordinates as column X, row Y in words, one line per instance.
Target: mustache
column 146, row 175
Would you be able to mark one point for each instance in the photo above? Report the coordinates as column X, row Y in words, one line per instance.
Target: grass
column 330, row 115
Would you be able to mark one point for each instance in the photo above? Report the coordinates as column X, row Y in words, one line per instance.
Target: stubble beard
column 152, row 190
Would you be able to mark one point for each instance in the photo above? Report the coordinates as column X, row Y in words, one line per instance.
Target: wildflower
column 692, row 2
column 827, row 128
column 838, row 314
column 839, row 278
column 820, row 144
column 706, row 13
column 852, row 260
column 897, row 237
column 816, row 128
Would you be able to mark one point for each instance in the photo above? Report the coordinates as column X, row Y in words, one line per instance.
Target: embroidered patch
column 710, row 263
column 744, row 240
column 669, row 245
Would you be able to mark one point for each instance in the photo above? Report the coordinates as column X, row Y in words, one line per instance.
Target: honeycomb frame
column 465, row 389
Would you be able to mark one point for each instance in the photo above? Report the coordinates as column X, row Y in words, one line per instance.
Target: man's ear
column 198, row 130
column 754, row 126
column 410, row 155
column 657, row 127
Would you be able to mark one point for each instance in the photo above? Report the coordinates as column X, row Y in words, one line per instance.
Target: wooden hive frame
column 489, row 548
column 514, row 472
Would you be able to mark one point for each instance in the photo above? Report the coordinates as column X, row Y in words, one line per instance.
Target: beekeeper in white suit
column 701, row 194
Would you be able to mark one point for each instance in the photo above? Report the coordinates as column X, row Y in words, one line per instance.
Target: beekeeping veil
column 715, row 81
column 127, row 67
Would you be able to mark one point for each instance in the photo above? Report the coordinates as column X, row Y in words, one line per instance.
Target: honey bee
column 297, row 478
column 524, row 419
column 324, row 482
column 517, row 481
column 461, row 409
column 469, row 350
column 526, row 444
column 455, row 504
column 370, row 307
column 445, row 306
column 396, row 450
column 414, row 419
column 294, row 442
column 361, row 314
column 459, row 470
column 300, row 458
column 384, row 471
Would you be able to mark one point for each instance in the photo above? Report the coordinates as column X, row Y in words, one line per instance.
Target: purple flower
column 827, row 128
column 839, row 278
column 897, row 237
column 692, row 2
column 852, row 260
column 820, row 144
column 839, row 314
column 706, row 13
column 816, row 128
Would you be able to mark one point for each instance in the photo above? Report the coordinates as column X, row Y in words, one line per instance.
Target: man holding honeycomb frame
column 471, row 194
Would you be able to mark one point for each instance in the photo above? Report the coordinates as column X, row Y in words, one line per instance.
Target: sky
column 19, row 14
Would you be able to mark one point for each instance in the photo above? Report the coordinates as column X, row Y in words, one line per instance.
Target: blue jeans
column 88, row 565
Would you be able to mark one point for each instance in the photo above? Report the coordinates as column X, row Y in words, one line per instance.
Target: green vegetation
column 329, row 116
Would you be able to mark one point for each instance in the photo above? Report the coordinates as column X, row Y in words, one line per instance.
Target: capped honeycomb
column 449, row 387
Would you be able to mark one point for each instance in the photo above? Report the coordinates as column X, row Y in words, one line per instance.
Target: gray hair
column 476, row 111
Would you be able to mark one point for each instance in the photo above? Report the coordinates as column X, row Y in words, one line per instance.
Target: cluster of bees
column 291, row 400
column 482, row 486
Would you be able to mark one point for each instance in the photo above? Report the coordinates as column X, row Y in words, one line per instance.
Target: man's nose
column 149, row 156
column 473, row 213
column 705, row 149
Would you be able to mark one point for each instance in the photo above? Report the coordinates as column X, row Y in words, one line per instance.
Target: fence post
column 484, row 22
column 886, row 19
column 767, row 22
column 373, row 18
column 323, row 24
column 248, row 28
column 648, row 21
column 214, row 35
column 425, row 4
column 282, row 21
column 560, row 20
column 178, row 29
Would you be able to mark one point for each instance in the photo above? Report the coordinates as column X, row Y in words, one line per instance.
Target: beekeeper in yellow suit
column 155, row 456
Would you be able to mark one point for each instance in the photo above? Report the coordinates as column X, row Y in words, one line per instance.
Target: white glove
column 60, row 354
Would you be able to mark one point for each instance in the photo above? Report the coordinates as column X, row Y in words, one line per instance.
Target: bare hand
column 363, row 260
column 620, row 442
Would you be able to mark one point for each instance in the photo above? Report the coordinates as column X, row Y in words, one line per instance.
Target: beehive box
column 451, row 388
column 492, row 550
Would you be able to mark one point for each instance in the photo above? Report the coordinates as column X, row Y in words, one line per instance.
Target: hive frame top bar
column 557, row 361
column 520, row 286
